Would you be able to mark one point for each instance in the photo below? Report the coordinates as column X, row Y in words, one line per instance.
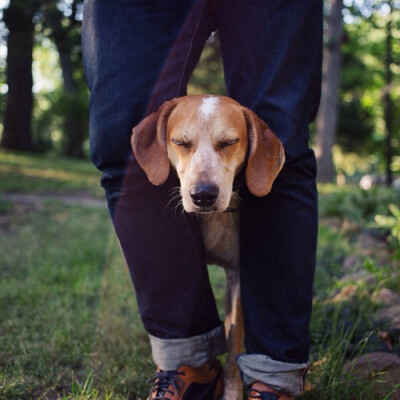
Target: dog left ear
column 266, row 155
column 148, row 144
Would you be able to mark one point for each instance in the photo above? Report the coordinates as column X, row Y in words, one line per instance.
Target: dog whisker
column 180, row 205
column 237, row 198
column 177, row 204
column 172, row 199
column 175, row 195
column 175, row 189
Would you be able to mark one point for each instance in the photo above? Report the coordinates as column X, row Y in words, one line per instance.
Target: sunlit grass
column 31, row 173
column 47, row 173
column 52, row 267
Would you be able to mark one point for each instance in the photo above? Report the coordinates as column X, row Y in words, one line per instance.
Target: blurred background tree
column 43, row 37
column 60, row 22
column 44, row 99
column 366, row 100
column 18, row 18
column 327, row 118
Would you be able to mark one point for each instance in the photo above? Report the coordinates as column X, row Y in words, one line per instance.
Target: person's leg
column 138, row 54
column 272, row 61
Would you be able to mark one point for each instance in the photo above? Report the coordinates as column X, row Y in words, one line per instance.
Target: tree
column 64, row 29
column 327, row 117
column 369, row 109
column 18, row 18
column 60, row 22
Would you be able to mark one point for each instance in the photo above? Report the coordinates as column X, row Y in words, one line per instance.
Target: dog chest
column 221, row 238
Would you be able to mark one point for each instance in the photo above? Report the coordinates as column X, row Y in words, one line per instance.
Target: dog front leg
column 235, row 336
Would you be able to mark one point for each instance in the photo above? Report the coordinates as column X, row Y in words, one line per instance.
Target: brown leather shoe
column 261, row 391
column 204, row 383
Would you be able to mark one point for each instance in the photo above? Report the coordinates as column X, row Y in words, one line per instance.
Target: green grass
column 37, row 174
column 69, row 326
column 69, row 322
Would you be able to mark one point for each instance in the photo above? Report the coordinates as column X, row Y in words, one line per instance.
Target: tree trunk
column 388, row 104
column 18, row 112
column 74, row 129
column 328, row 113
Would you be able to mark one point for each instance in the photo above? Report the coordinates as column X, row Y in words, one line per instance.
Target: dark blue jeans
column 139, row 53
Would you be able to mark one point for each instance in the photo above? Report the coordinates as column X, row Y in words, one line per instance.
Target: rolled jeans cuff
column 195, row 351
column 281, row 376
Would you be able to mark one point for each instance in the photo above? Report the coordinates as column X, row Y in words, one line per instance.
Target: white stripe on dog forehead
column 208, row 106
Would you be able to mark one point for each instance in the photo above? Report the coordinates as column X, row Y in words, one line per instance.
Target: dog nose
column 204, row 194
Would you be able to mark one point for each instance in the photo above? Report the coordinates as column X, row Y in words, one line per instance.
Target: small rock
column 352, row 262
column 387, row 297
column 383, row 369
column 390, row 316
column 368, row 240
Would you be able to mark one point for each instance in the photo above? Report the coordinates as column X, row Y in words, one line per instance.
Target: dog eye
column 227, row 143
column 181, row 143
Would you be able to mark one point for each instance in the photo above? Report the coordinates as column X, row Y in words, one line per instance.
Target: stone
column 352, row 262
column 382, row 369
column 386, row 297
column 389, row 316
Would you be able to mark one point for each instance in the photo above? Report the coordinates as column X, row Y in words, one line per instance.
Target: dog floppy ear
column 149, row 146
column 266, row 155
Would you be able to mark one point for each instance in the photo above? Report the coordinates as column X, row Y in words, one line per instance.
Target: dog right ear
column 149, row 144
column 266, row 155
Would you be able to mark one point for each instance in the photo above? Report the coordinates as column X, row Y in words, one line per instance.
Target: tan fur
column 210, row 139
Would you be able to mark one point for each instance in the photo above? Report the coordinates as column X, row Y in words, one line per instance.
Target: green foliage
column 67, row 113
column 343, row 324
column 331, row 251
column 346, row 333
column 208, row 76
column 392, row 224
column 356, row 204
column 353, row 165
column 327, row 377
column 363, row 78
column 338, row 297
column 356, row 125
column 387, row 276
column 60, row 125
column 337, row 204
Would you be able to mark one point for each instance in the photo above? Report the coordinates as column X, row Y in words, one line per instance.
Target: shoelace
column 163, row 380
column 256, row 394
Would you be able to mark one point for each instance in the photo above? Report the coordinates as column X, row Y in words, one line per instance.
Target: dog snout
column 204, row 194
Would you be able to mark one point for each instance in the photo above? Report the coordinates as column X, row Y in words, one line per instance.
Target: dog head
column 207, row 140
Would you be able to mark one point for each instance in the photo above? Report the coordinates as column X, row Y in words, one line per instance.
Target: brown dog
column 208, row 140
